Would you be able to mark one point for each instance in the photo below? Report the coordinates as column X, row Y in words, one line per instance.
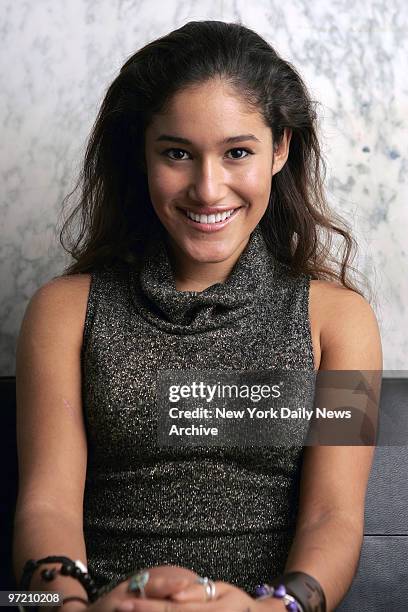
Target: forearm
column 329, row 551
column 42, row 533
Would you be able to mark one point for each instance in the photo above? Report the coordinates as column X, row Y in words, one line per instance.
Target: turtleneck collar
column 155, row 295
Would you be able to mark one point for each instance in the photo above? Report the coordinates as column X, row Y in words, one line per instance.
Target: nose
column 208, row 184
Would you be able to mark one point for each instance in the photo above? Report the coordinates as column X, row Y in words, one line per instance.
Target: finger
column 159, row 605
column 192, row 593
column 198, row 592
column 160, row 587
column 124, row 606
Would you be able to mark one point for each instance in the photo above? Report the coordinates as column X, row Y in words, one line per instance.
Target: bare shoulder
column 78, row 283
column 347, row 327
column 62, row 298
column 325, row 295
column 333, row 303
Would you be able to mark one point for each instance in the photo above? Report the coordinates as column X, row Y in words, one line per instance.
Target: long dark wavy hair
column 114, row 209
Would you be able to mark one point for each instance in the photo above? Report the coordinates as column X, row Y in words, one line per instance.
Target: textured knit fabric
column 226, row 513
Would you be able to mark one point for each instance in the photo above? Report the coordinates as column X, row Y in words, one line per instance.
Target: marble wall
column 58, row 58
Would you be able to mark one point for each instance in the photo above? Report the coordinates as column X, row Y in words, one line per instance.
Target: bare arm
column 43, row 532
column 51, row 440
column 334, row 481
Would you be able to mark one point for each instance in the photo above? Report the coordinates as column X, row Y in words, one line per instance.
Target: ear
column 281, row 151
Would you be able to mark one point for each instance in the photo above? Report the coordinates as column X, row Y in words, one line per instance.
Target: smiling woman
column 203, row 250
column 188, row 192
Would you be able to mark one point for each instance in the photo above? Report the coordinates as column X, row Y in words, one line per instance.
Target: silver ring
column 138, row 582
column 209, row 587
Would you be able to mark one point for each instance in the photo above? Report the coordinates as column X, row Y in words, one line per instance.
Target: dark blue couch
column 381, row 583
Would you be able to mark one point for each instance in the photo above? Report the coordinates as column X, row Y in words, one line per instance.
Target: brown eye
column 239, row 149
column 174, row 158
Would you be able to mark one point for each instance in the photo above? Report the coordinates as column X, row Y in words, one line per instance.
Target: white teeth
column 209, row 218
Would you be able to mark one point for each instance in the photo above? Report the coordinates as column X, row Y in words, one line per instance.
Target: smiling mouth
column 212, row 219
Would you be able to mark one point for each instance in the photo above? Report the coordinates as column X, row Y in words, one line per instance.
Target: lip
column 211, row 227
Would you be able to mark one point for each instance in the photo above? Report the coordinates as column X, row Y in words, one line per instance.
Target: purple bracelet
column 262, row 591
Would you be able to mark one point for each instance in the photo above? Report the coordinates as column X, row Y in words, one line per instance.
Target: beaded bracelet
column 303, row 588
column 76, row 569
column 262, row 591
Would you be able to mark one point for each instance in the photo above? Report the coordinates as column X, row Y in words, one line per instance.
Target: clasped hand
column 172, row 589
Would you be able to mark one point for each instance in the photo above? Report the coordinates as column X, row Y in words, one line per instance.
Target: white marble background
column 58, row 57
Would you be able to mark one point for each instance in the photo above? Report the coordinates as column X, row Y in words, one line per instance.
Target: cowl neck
column 155, row 295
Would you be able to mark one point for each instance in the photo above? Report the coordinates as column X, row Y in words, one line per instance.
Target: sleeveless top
column 228, row 513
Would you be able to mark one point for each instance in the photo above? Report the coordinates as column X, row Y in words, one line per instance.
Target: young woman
column 204, row 245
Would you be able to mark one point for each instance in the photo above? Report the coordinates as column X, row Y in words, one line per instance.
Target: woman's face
column 209, row 153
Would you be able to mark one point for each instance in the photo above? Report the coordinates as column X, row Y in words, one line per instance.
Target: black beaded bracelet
column 68, row 568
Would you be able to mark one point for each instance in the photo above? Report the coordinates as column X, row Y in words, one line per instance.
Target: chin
column 209, row 253
column 205, row 247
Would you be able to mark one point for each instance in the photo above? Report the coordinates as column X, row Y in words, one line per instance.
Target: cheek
column 257, row 184
column 163, row 185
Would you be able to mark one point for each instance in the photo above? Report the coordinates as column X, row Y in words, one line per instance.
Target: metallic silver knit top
column 226, row 512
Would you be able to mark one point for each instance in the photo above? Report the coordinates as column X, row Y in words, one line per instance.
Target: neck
column 192, row 275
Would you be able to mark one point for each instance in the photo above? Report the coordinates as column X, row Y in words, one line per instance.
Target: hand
column 228, row 598
column 164, row 581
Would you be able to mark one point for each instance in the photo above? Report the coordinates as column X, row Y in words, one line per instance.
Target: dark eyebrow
column 178, row 139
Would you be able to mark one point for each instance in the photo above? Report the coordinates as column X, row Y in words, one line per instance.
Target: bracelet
column 262, row 591
column 306, row 591
column 76, row 569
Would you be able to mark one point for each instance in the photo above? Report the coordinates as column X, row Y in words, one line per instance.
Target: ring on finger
column 138, row 582
column 209, row 586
